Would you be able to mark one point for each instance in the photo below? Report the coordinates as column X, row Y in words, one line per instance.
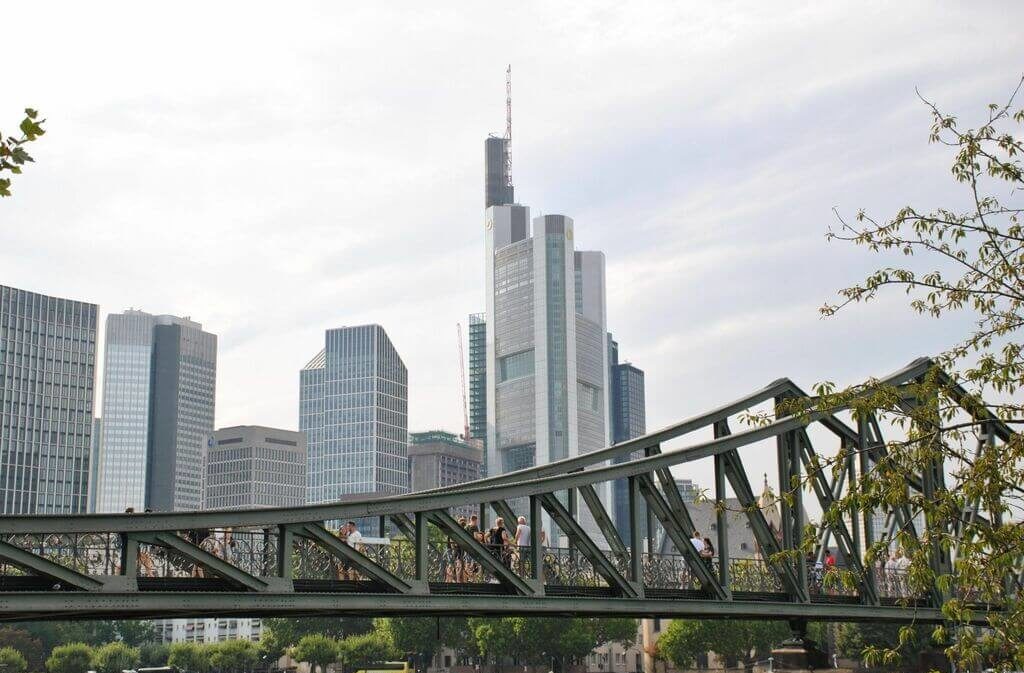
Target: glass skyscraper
column 629, row 420
column 47, row 377
column 187, row 379
column 353, row 408
column 478, row 382
column 547, row 351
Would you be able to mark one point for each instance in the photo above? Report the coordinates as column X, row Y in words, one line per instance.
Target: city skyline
column 699, row 181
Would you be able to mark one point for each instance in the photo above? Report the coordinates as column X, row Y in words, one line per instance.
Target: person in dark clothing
column 498, row 541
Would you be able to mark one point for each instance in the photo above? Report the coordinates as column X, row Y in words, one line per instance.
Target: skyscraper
column 547, row 373
column 47, row 376
column 353, row 408
column 546, row 346
column 629, row 420
column 181, row 426
column 143, row 393
column 498, row 190
column 478, row 382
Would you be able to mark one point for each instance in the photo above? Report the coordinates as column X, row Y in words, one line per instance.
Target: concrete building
column 438, row 458
column 248, row 466
column 209, row 630
column 47, row 380
column 184, row 407
column 251, row 466
column 353, row 409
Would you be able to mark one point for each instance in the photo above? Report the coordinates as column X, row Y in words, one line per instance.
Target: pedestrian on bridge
column 499, row 540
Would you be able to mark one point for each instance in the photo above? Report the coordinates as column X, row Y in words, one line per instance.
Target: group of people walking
column 503, row 544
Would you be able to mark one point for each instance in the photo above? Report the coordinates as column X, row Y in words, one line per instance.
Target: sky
column 276, row 170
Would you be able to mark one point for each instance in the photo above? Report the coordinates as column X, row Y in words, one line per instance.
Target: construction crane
column 508, row 125
column 462, row 384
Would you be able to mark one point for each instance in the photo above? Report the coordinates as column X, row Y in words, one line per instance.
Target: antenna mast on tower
column 508, row 125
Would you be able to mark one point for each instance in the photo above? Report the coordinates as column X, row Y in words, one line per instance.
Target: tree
column 497, row 639
column 746, row 641
column 317, row 650
column 12, row 149
column 70, row 658
column 115, row 657
column 957, row 259
column 12, row 661
column 234, row 656
column 135, row 632
column 853, row 639
column 23, row 641
column 424, row 636
column 153, row 655
column 290, row 630
column 545, row 641
column 189, row 657
column 365, row 649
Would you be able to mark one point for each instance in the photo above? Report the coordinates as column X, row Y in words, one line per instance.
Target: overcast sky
column 275, row 173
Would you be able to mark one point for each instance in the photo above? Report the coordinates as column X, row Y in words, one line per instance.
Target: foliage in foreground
column 968, row 259
column 13, row 155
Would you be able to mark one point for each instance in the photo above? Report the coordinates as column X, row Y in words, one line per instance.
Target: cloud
column 274, row 173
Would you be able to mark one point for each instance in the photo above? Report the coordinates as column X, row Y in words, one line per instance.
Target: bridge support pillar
column 799, row 652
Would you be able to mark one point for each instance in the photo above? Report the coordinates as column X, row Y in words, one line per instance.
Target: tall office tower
column 629, row 420
column 547, row 373
column 498, row 190
column 353, row 408
column 143, row 393
column 47, row 376
column 251, row 466
column 94, row 462
column 438, row 459
column 478, row 382
column 184, row 383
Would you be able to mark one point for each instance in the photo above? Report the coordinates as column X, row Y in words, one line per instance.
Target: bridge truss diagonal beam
column 604, row 522
column 343, row 551
column 444, row 521
column 34, row 563
column 674, row 529
column 587, row 547
column 215, row 564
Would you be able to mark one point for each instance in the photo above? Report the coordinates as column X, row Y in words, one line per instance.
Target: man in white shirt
column 697, row 541
column 352, row 539
column 354, row 536
column 522, row 532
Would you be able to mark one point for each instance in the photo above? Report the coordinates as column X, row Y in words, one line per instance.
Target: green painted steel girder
column 91, row 605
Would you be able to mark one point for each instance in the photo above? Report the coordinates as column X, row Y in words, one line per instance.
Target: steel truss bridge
column 286, row 561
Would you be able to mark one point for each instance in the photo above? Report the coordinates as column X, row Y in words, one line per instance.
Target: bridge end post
column 798, row 652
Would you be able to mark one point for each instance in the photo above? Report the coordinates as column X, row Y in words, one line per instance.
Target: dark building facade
column 184, row 381
column 628, row 420
column 498, row 190
column 47, row 380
